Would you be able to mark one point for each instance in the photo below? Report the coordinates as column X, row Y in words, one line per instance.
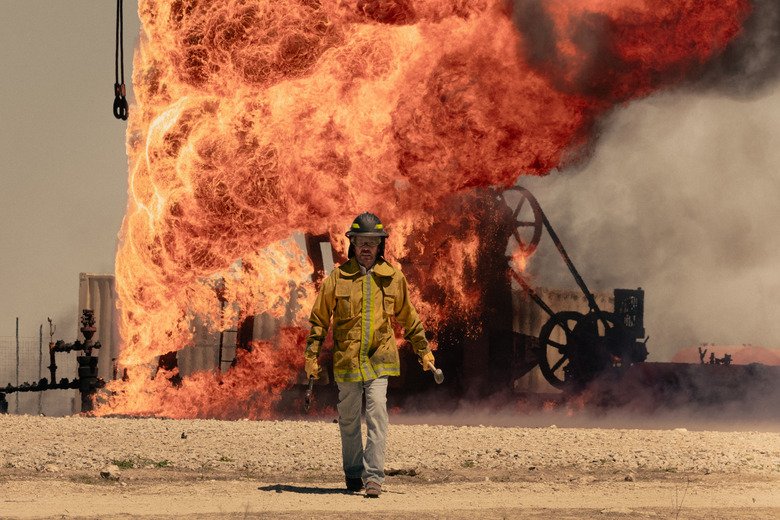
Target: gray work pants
column 368, row 463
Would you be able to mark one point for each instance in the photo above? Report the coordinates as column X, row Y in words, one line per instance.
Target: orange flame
column 256, row 118
column 519, row 259
column 248, row 390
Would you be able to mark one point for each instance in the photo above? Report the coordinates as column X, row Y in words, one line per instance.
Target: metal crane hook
column 120, row 101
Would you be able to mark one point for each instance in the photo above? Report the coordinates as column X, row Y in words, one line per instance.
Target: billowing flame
column 248, row 390
column 257, row 118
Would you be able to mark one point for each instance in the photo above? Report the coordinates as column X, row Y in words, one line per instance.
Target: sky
column 63, row 187
column 681, row 195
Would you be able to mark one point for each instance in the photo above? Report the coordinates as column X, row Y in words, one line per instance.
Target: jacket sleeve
column 321, row 313
column 409, row 320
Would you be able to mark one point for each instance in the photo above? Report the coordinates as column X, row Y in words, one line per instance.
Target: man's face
column 366, row 249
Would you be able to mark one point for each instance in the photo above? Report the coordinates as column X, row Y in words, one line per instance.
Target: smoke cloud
column 748, row 65
column 675, row 194
column 679, row 197
column 751, row 62
column 648, row 396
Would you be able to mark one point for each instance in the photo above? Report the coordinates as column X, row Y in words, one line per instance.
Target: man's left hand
column 428, row 361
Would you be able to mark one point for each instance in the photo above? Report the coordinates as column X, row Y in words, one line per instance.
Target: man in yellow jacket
column 361, row 296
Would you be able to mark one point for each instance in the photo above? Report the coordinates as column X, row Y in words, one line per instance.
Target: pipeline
column 87, row 382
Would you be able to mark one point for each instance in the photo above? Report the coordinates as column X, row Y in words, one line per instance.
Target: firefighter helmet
column 367, row 225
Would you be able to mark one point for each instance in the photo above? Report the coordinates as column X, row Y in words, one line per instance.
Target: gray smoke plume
column 679, row 191
column 680, row 197
column 751, row 62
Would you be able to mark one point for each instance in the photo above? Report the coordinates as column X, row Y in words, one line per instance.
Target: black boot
column 354, row 483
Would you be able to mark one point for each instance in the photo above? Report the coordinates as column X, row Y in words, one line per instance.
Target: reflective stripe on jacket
column 361, row 306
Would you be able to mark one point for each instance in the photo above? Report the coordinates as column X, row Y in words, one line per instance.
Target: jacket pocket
column 344, row 337
column 389, row 305
column 389, row 294
column 343, row 304
column 385, row 353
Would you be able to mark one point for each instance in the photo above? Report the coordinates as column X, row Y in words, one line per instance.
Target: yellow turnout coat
column 361, row 306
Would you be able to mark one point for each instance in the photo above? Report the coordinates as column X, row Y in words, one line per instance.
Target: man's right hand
column 312, row 368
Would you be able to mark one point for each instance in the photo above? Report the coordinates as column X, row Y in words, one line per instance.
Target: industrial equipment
column 576, row 347
column 87, row 381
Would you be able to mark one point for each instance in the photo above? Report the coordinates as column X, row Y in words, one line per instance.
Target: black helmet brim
column 366, row 225
column 351, row 233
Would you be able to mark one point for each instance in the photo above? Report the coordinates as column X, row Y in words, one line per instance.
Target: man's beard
column 367, row 260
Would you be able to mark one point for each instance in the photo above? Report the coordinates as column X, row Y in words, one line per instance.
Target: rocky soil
column 284, row 467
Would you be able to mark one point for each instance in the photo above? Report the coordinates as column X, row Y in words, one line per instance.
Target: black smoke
column 748, row 64
column 751, row 62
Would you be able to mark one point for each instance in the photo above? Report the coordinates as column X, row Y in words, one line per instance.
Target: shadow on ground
column 306, row 490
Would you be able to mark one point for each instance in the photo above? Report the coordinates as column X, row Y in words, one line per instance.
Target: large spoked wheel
column 576, row 347
column 558, row 343
column 527, row 216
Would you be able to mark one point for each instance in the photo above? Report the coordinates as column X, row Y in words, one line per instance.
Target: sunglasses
column 367, row 242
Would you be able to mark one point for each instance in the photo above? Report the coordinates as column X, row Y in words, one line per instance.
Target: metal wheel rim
column 527, row 247
column 565, row 349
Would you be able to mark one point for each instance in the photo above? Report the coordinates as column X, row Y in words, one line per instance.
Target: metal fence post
column 40, row 367
column 17, row 364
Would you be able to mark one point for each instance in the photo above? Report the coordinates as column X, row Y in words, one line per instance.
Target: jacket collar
column 352, row 269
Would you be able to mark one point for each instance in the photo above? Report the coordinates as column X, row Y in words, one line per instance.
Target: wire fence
column 26, row 360
column 19, row 365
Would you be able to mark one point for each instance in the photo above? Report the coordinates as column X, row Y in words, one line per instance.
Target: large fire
column 258, row 118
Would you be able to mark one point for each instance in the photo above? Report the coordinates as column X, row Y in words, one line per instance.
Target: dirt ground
column 78, row 467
